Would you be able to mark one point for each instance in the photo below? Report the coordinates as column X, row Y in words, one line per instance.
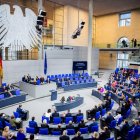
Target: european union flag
column 45, row 64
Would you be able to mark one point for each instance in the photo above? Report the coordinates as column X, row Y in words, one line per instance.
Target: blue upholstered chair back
column 83, row 130
column 71, row 131
column 56, row 120
column 94, row 128
column 68, row 119
column 56, row 132
column 30, row 130
column 43, row 131
column 79, row 119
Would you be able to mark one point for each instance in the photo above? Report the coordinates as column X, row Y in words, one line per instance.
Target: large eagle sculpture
column 17, row 31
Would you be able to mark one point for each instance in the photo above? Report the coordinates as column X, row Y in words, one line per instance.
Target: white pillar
column 90, row 16
column 41, row 46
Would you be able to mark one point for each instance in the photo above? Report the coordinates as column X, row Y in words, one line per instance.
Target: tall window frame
column 125, row 19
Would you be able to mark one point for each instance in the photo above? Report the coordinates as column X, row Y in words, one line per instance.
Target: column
column 90, row 16
column 41, row 46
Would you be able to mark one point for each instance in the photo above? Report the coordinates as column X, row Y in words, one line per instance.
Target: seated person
column 2, row 120
column 64, row 136
column 58, row 128
column 105, row 134
column 13, row 122
column 70, row 125
column 44, row 124
column 100, row 107
column 124, row 129
column 48, row 113
column 79, row 113
column 33, row 123
column 93, row 111
column 55, row 114
column 7, row 134
column 21, row 112
column 109, row 118
column 95, row 136
column 68, row 114
column 78, row 136
column 91, row 123
column 21, row 134
column 41, row 79
column 62, row 99
column 81, row 124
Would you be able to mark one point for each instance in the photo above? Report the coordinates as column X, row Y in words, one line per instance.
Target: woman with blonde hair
column 6, row 133
column 95, row 136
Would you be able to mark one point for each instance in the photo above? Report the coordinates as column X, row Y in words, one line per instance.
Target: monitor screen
column 79, row 65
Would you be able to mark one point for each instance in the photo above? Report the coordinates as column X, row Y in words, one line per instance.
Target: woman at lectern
column 62, row 99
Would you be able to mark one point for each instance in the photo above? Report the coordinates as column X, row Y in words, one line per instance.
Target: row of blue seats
column 6, row 94
column 67, row 75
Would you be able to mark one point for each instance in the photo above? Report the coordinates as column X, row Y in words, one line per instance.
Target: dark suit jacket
column 64, row 138
column 2, row 120
column 55, row 114
column 81, row 125
column 125, row 129
column 78, row 138
column 109, row 119
column 69, row 126
column 104, row 135
column 44, row 125
column 68, row 115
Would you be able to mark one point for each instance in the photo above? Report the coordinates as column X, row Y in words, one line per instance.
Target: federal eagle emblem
column 17, row 31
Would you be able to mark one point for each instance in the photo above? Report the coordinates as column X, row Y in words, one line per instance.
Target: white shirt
column 47, row 114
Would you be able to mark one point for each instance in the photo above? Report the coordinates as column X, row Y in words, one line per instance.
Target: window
column 125, row 19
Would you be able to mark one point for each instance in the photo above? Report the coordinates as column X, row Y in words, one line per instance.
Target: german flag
column 1, row 68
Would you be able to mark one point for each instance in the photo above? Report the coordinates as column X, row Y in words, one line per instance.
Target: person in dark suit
column 70, row 125
column 109, row 118
column 55, row 114
column 93, row 111
column 78, row 136
column 124, row 129
column 21, row 112
column 79, row 113
column 68, row 113
column 33, row 124
column 58, row 128
column 105, row 134
column 93, row 123
column 81, row 124
column 64, row 136
column 2, row 120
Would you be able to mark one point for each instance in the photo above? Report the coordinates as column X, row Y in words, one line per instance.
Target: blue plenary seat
column 120, row 120
column 111, row 105
column 32, row 124
column 94, row 128
column 56, row 132
column 113, row 124
column 7, row 124
column 20, row 136
column 43, row 131
column 30, row 130
column 97, row 115
column 45, row 118
column 56, row 120
column 83, row 130
column 67, row 119
column 110, row 139
column 4, row 84
column 1, row 96
column 71, row 131
column 1, row 125
column 103, row 112
column 130, row 135
column 2, row 138
column 79, row 118
column 16, row 114
column 137, row 131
